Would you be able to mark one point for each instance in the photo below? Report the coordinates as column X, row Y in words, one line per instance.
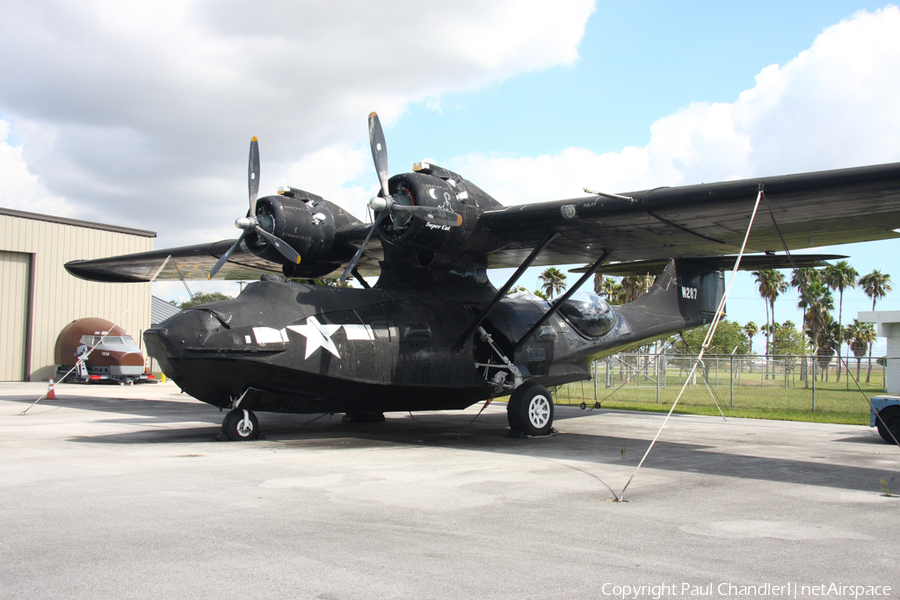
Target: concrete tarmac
column 123, row 492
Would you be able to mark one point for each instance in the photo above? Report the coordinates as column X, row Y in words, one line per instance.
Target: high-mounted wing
column 717, row 263
column 811, row 209
column 195, row 262
column 436, row 212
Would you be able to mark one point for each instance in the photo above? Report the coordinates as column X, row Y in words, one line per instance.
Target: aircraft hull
column 294, row 348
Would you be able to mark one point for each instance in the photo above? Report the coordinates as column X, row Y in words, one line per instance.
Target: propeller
column 252, row 222
column 384, row 204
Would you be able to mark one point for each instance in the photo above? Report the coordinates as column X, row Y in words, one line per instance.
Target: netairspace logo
column 730, row 590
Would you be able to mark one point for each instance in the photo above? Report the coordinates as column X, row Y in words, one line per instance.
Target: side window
column 415, row 331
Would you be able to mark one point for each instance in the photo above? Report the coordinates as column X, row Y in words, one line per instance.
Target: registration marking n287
column 689, row 293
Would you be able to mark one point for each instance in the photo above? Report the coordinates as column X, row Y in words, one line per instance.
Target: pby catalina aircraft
column 433, row 333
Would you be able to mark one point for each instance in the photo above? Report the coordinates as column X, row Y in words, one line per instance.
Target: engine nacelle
column 415, row 234
column 307, row 223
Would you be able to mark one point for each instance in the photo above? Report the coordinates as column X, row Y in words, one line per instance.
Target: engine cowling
column 419, row 189
column 304, row 221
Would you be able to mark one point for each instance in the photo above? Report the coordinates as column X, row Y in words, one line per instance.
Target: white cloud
column 121, row 109
column 128, row 104
column 339, row 173
column 832, row 106
column 23, row 190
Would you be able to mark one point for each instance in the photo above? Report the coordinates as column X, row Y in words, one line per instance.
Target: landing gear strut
column 530, row 409
column 240, row 424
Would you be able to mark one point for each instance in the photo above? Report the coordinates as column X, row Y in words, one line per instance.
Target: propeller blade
column 352, row 264
column 280, row 245
column 379, row 152
column 437, row 216
column 253, row 174
column 224, row 257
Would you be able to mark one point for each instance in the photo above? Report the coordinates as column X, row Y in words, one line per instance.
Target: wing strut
column 359, row 278
column 559, row 302
column 548, row 237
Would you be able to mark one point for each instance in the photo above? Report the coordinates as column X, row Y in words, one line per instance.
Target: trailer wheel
column 889, row 423
column 530, row 409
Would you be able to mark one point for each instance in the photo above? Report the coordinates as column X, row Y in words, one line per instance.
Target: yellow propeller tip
column 253, row 139
column 298, row 260
column 373, row 114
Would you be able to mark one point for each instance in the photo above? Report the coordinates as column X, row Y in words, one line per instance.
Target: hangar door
column 14, row 278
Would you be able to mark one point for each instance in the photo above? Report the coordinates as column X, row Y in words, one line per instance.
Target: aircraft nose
column 169, row 341
column 156, row 343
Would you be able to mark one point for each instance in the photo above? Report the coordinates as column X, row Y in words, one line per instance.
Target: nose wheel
column 240, row 424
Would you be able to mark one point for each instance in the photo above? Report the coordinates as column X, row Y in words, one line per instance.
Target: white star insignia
column 317, row 336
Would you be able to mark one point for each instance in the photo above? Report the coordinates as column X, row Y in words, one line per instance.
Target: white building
column 887, row 324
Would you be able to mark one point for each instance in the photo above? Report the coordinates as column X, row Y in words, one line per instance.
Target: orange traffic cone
column 51, row 393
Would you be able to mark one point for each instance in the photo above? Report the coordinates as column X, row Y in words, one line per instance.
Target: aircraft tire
column 237, row 429
column 891, row 418
column 530, row 409
column 512, row 416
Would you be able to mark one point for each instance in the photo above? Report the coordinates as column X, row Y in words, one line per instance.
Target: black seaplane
column 433, row 333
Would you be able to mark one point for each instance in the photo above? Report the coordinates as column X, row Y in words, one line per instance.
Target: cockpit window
column 94, row 340
column 588, row 313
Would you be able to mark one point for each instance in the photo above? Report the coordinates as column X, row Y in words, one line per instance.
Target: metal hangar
column 38, row 297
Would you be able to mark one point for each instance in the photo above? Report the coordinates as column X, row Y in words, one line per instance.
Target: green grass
column 834, row 403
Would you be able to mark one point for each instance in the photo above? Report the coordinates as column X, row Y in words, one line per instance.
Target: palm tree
column 613, row 290
column 861, row 337
column 818, row 304
column 751, row 329
column 636, row 286
column 826, row 341
column 554, row 282
column 771, row 283
column 876, row 285
column 802, row 279
column 839, row 277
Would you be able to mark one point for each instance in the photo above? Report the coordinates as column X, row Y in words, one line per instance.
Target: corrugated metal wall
column 15, row 270
column 59, row 298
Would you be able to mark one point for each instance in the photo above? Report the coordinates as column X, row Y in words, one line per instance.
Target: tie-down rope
column 83, row 358
column 720, row 311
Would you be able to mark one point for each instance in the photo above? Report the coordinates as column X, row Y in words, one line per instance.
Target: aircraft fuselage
column 287, row 347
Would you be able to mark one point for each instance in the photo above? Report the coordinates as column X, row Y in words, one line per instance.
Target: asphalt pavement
column 124, row 492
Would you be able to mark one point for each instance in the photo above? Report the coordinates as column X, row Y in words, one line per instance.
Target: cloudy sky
column 140, row 114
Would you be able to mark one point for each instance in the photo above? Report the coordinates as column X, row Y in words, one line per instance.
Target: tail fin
column 685, row 295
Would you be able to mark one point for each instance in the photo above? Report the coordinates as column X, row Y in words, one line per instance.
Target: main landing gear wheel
column 891, row 424
column 240, row 424
column 530, row 409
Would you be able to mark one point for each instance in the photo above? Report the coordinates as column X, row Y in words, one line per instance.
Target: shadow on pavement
column 157, row 423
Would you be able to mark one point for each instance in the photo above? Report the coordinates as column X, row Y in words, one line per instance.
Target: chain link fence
column 776, row 387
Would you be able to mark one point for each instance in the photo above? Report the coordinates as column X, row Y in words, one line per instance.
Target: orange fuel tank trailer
column 115, row 355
